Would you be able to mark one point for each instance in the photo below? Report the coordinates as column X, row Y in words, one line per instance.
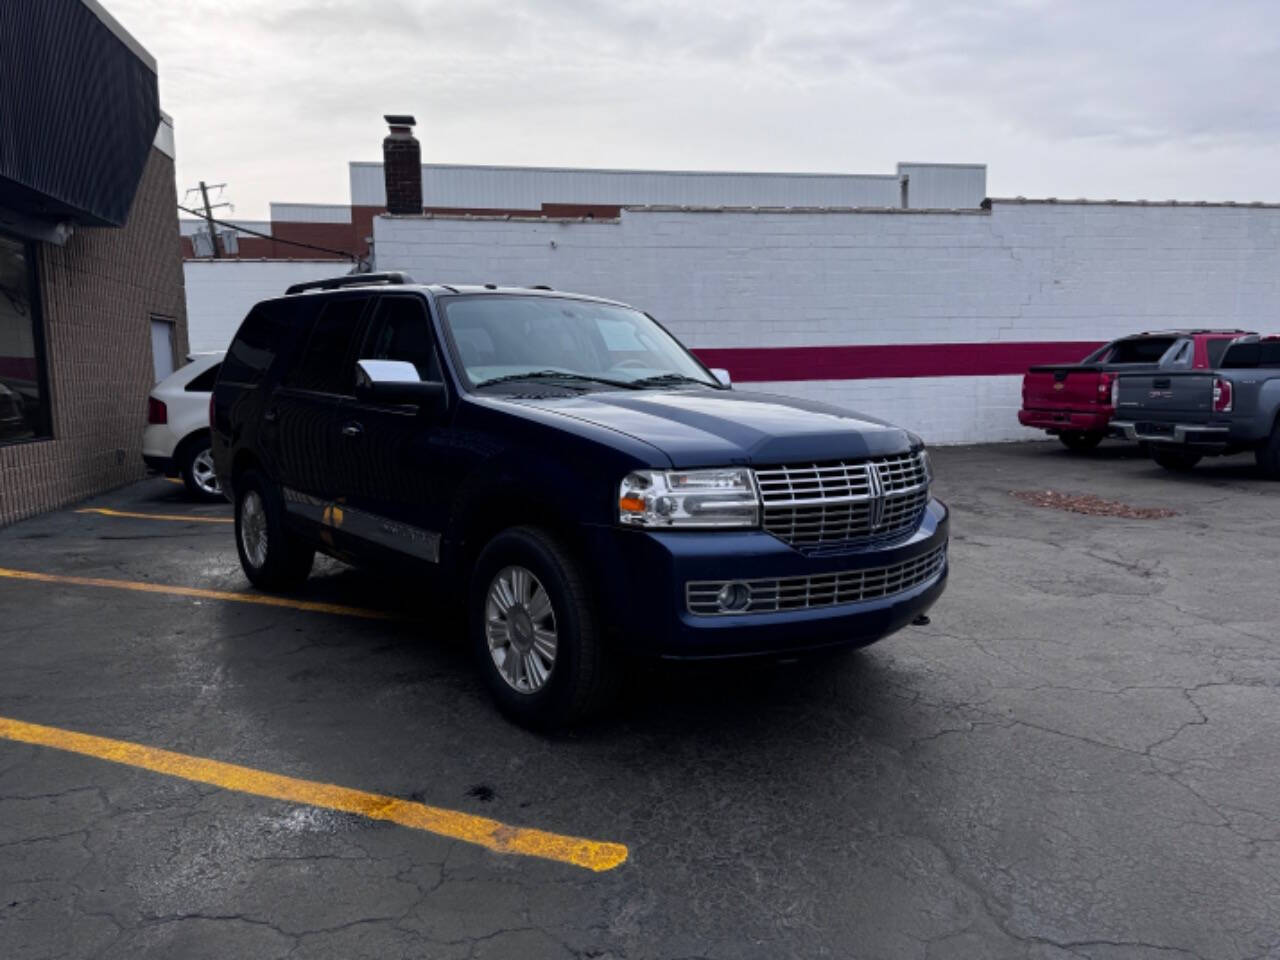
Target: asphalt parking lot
column 1078, row 757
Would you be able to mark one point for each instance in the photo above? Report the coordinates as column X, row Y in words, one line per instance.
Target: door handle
column 271, row 415
column 352, row 429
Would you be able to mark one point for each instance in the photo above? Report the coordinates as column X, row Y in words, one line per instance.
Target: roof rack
column 352, row 280
column 540, row 286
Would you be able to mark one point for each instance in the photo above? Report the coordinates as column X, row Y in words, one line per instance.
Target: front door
column 396, row 450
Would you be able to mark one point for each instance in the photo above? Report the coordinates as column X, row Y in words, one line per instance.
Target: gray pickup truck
column 1183, row 416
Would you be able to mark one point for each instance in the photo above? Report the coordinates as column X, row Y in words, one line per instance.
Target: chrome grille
column 829, row 504
column 821, row 590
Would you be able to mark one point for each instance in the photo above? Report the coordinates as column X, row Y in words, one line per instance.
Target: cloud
column 1103, row 98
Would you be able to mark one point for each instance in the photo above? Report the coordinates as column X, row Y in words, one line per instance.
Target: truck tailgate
column 1165, row 397
column 1067, row 387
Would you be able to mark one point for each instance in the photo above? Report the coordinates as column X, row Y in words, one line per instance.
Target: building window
column 24, row 394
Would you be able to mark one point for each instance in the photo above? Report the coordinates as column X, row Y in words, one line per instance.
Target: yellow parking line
column 108, row 512
column 261, row 599
column 493, row 835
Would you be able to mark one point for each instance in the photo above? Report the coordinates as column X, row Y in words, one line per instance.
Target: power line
column 257, row 233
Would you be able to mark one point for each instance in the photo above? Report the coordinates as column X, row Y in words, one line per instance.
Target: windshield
column 509, row 337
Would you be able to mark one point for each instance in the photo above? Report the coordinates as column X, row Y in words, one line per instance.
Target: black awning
column 79, row 109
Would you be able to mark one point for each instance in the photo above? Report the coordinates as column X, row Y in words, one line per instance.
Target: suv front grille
column 821, row 590
column 844, row 503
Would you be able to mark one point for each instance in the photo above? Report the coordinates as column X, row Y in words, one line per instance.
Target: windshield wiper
column 555, row 375
column 662, row 379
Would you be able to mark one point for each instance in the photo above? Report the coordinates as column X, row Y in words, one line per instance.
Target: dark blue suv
column 584, row 485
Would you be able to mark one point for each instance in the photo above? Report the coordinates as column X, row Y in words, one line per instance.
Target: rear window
column 324, row 367
column 255, row 345
column 1141, row 349
column 204, row 383
column 1248, row 355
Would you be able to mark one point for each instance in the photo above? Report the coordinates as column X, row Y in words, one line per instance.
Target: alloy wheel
column 253, row 528
column 202, row 472
column 520, row 626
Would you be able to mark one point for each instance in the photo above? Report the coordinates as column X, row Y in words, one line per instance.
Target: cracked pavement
column 1078, row 758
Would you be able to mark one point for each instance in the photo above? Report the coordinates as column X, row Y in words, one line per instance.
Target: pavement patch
column 596, row 855
column 261, row 599
column 108, row 512
column 1090, row 505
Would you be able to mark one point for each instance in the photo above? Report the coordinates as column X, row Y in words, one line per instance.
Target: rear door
column 396, row 487
column 304, row 414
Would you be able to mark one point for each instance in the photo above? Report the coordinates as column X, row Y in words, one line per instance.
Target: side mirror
column 396, row 381
column 721, row 374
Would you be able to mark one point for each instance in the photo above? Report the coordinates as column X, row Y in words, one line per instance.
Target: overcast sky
column 1093, row 98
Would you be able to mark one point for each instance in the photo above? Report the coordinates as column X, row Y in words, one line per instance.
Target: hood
column 717, row 427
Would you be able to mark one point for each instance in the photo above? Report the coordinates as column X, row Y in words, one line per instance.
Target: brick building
column 92, row 305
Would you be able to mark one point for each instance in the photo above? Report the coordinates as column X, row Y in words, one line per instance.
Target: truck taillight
column 157, row 412
column 1115, row 393
column 1107, row 389
column 1222, row 398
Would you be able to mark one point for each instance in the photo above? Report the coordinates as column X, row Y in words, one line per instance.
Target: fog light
column 734, row 596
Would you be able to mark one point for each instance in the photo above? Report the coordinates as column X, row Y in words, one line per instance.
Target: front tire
column 535, row 633
column 1080, row 441
column 273, row 558
column 1175, row 461
column 195, row 463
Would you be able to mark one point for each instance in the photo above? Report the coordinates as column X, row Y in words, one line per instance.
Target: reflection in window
column 23, row 403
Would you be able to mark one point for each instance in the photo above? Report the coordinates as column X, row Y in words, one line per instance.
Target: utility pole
column 208, row 212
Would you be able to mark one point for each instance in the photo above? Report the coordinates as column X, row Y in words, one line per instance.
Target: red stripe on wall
column 871, row 361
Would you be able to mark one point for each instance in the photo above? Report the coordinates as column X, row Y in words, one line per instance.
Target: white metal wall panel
column 944, row 186
column 527, row 188
column 221, row 292
column 189, row 227
column 311, row 212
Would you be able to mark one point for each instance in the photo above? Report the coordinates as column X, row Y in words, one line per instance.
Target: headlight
column 689, row 498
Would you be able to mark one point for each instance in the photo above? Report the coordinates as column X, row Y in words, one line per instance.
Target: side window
column 255, row 346
column 204, row 383
column 401, row 331
column 323, row 366
column 1179, row 356
column 1215, row 349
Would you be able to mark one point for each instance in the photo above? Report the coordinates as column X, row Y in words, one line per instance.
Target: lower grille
column 820, row 590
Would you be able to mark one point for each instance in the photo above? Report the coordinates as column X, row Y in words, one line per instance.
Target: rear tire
column 1175, row 461
column 1080, row 441
column 273, row 558
column 195, row 464
column 1268, row 455
column 529, row 597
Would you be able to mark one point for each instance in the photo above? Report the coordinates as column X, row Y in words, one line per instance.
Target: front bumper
column 1056, row 421
column 643, row 576
column 1181, row 434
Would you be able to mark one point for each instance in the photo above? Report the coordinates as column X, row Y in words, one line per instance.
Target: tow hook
column 921, row 621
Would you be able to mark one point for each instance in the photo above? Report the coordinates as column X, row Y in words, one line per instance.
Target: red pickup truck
column 1074, row 402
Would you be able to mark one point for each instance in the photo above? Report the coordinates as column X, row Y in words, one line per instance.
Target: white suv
column 176, row 441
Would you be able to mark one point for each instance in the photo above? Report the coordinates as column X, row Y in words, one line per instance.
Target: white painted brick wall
column 1023, row 272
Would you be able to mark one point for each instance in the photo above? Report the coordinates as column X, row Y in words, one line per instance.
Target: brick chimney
column 402, row 165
